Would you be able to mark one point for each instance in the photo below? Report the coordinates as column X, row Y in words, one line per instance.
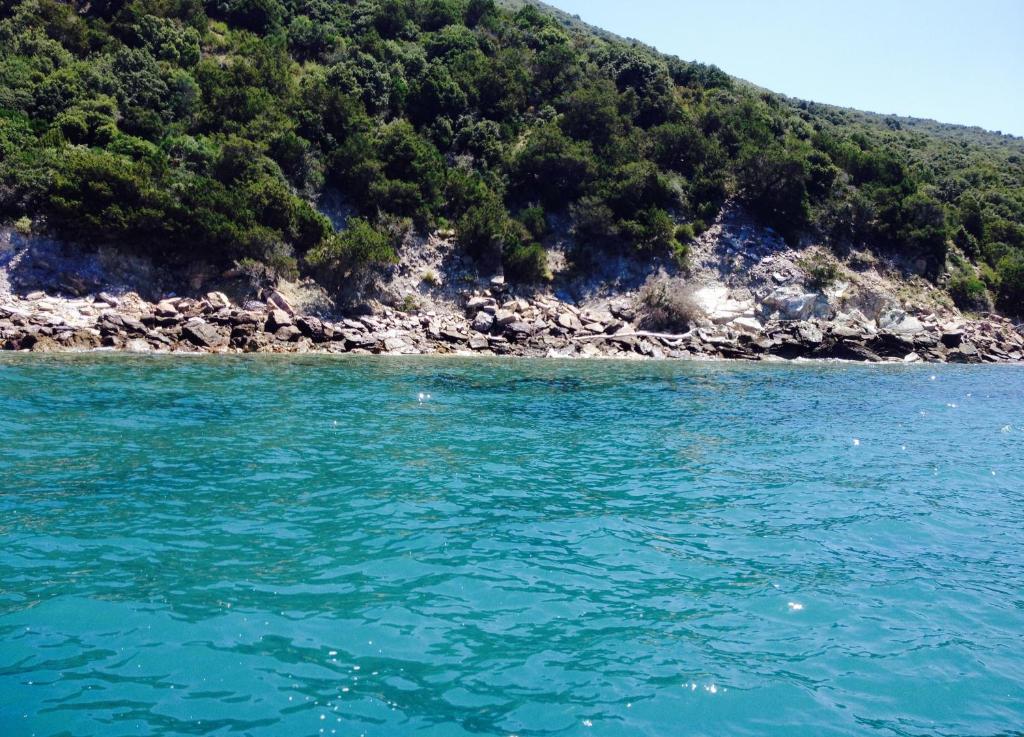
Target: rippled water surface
column 305, row 546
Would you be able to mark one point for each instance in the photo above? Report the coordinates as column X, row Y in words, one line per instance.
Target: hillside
column 218, row 133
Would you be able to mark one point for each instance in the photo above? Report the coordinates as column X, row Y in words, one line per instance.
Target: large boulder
column 624, row 311
column 519, row 330
column 358, row 339
column 287, row 334
column 719, row 305
column 569, row 321
column 746, row 326
column 277, row 319
column 899, row 322
column 218, row 300
column 952, row 336
column 203, row 334
column 277, row 301
column 166, row 309
column 478, row 303
column 483, row 322
column 791, row 302
column 809, row 333
column 312, row 328
column 505, row 317
column 965, row 353
column 452, row 335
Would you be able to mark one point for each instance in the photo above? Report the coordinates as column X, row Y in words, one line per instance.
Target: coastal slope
column 400, row 157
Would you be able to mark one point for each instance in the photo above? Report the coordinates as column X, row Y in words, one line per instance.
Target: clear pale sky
column 957, row 61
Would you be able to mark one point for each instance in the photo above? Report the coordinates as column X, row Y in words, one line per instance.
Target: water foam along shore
column 492, row 322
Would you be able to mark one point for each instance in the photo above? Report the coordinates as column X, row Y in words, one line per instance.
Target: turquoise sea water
column 306, row 546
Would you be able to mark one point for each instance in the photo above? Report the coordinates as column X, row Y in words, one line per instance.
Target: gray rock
column 358, row 339
column 624, row 311
column 277, row 319
column 952, row 337
column 792, row 303
column 483, row 322
column 278, row 301
column 965, row 353
column 519, row 329
column 479, row 342
column 505, row 317
column 900, row 323
column 569, row 321
column 165, row 309
column 312, row 328
column 452, row 335
column 809, row 333
column 287, row 334
column 218, row 300
column 203, row 334
column 242, row 330
column 847, row 332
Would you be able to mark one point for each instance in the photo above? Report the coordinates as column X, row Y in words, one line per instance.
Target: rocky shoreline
column 494, row 321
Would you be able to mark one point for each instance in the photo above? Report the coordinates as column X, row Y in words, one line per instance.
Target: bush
column 553, row 167
column 669, row 304
column 822, row 272
column 681, row 253
column 652, row 231
column 359, row 245
column 534, row 220
column 593, row 223
column 1011, row 283
column 968, row 291
column 526, row 263
column 481, row 230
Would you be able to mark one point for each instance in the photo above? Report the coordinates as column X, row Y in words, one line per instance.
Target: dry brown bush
column 669, row 304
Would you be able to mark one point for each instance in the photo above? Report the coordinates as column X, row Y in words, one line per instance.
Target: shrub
column 822, row 272
column 685, row 233
column 526, row 263
column 409, row 304
column 669, row 304
column 681, row 253
column 481, row 230
column 360, row 244
column 652, row 231
column 593, row 222
column 1011, row 283
column 553, row 167
column 534, row 220
column 968, row 291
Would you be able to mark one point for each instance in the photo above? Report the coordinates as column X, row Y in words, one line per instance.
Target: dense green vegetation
column 204, row 130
